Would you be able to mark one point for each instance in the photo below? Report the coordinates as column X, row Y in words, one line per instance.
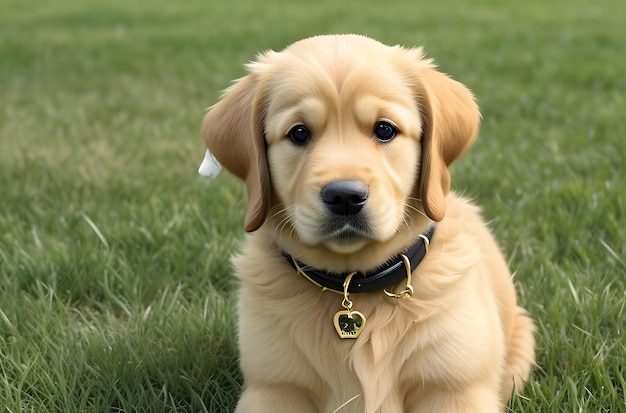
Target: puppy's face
column 341, row 140
column 343, row 147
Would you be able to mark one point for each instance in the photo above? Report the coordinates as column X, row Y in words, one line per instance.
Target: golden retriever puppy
column 366, row 285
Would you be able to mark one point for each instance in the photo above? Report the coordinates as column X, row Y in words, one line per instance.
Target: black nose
column 345, row 197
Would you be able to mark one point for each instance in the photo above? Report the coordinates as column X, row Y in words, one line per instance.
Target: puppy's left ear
column 450, row 119
column 233, row 132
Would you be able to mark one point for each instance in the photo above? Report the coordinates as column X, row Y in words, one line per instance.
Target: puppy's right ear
column 233, row 132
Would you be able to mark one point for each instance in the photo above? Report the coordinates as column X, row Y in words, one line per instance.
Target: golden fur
column 461, row 343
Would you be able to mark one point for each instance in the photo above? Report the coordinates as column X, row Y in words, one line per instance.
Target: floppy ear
column 450, row 119
column 233, row 132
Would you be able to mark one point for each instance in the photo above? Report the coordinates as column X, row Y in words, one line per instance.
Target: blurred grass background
column 115, row 292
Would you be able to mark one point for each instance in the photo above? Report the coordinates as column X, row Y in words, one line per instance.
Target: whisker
column 279, row 211
column 407, row 220
column 413, row 208
column 282, row 224
column 286, row 219
column 346, row 403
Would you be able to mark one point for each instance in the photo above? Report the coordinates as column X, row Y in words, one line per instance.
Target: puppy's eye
column 299, row 134
column 385, row 131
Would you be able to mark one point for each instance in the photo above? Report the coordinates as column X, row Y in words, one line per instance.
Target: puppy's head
column 341, row 140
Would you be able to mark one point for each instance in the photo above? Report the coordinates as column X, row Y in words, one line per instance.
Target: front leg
column 275, row 398
column 473, row 399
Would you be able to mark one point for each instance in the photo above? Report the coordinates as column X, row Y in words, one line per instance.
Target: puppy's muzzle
column 345, row 197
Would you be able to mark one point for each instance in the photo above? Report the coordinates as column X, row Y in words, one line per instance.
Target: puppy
column 366, row 285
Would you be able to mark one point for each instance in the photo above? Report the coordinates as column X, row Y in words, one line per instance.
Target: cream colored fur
column 461, row 343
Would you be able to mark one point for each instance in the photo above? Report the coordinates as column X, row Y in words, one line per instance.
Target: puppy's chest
column 367, row 371
column 397, row 348
column 386, row 327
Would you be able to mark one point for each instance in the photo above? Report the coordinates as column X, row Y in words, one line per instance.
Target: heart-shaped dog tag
column 349, row 324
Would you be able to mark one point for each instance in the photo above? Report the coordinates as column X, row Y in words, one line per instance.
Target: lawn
column 115, row 285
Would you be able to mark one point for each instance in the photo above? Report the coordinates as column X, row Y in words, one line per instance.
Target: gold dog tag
column 349, row 324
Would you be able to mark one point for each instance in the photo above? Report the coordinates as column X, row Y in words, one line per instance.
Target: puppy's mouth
column 346, row 232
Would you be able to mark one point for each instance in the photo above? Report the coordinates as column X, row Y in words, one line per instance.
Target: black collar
column 390, row 273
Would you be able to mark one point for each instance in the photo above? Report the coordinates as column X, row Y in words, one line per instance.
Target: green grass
column 115, row 285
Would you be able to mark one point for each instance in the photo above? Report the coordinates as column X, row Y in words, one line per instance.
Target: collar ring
column 408, row 289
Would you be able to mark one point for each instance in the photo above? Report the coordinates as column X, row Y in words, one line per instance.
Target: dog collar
column 391, row 273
